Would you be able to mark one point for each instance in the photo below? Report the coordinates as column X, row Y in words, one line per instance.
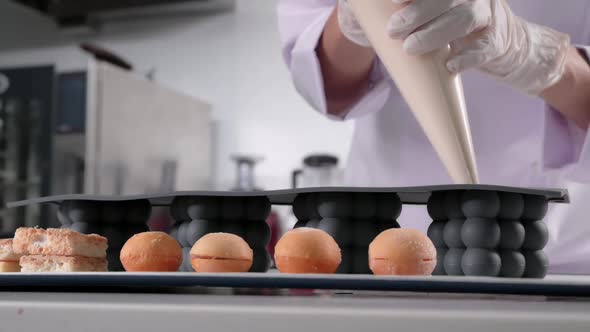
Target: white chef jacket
column 518, row 140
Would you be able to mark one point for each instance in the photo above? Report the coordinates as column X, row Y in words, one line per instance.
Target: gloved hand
column 350, row 26
column 484, row 34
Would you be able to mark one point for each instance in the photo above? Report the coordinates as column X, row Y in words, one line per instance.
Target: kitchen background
column 220, row 58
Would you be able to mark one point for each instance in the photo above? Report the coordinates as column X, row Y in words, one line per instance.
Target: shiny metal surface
column 231, row 310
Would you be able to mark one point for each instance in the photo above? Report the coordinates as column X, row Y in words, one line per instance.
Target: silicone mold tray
column 478, row 230
column 243, row 216
column 353, row 220
column 489, row 233
column 115, row 220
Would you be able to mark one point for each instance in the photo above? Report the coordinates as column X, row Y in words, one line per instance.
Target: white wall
column 230, row 60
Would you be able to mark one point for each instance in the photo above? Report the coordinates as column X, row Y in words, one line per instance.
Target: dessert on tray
column 59, row 250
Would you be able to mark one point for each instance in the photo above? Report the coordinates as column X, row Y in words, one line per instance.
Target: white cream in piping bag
column 434, row 95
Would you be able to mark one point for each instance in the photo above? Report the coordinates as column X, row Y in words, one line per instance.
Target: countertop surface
column 227, row 309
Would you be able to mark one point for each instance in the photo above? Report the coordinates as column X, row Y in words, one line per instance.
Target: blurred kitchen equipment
column 245, row 179
column 77, row 17
column 434, row 95
column 101, row 53
column 319, row 170
column 161, row 219
column 26, row 111
column 132, row 122
column 276, row 231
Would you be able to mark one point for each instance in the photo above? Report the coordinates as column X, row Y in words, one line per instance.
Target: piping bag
column 434, row 95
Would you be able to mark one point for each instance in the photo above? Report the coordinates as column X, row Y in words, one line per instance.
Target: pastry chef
column 526, row 76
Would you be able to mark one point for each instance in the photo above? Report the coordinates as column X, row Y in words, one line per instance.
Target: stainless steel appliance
column 26, row 113
column 319, row 170
column 245, row 179
column 135, row 127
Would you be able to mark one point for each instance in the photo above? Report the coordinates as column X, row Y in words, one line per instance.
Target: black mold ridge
column 117, row 221
column 352, row 219
column 477, row 230
column 488, row 233
column 245, row 217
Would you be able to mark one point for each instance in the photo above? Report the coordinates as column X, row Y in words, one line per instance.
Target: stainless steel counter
column 224, row 310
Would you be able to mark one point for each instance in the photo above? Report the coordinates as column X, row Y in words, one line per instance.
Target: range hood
column 76, row 13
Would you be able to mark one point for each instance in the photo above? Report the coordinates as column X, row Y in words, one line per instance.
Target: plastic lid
column 320, row 160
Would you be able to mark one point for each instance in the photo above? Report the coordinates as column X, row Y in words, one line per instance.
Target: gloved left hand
column 487, row 35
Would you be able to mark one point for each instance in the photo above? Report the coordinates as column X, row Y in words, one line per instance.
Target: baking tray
column 576, row 286
column 408, row 195
column 336, row 210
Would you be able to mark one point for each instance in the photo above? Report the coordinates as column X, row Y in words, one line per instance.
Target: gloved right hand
column 349, row 26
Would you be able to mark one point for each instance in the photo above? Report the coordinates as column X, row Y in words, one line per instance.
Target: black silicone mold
column 353, row 219
column 117, row 221
column 478, row 230
column 243, row 216
column 489, row 233
column 132, row 212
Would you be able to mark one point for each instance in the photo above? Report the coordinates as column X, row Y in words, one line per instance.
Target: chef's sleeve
column 301, row 24
column 566, row 146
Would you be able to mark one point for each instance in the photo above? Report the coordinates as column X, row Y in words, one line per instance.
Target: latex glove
column 484, row 34
column 349, row 25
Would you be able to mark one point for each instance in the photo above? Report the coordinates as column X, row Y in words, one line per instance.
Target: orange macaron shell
column 307, row 250
column 402, row 252
column 221, row 253
column 151, row 252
